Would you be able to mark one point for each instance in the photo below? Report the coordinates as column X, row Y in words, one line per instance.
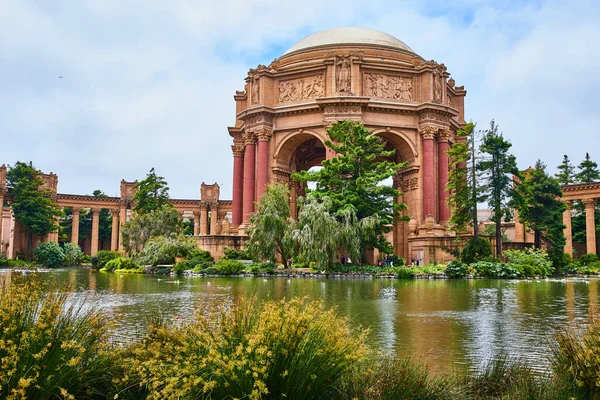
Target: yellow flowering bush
column 49, row 349
column 286, row 349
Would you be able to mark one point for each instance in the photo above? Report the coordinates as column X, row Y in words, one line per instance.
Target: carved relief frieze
column 387, row 86
column 259, row 119
column 342, row 74
column 429, row 115
column 340, row 112
column 301, row 89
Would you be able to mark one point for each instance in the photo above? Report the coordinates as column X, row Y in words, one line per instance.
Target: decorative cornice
column 581, row 187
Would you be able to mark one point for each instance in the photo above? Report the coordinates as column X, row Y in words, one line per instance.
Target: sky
column 102, row 90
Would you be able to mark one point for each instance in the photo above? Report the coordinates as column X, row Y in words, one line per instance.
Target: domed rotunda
column 353, row 74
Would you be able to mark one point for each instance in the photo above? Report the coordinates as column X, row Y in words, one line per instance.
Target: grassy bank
column 292, row 349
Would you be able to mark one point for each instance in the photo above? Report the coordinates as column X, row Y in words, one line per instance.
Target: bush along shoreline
column 295, row 349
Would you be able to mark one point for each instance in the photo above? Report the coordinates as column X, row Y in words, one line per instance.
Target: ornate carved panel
column 301, row 89
column 387, row 86
column 342, row 112
column 209, row 193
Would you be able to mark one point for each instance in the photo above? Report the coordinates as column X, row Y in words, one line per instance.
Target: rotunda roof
column 348, row 35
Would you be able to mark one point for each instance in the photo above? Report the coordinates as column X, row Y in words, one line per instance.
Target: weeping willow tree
column 319, row 235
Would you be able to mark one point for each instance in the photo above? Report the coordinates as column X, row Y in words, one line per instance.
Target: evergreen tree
column 537, row 199
column 497, row 167
column 588, row 171
column 566, row 172
column 152, row 194
column 269, row 224
column 352, row 180
column 33, row 207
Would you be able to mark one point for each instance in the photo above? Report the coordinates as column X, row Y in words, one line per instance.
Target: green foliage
column 120, row 263
column 455, row 269
column 288, row 349
column 152, row 194
column 530, row 261
column 102, row 257
column 588, row 171
column 164, row 249
column 576, row 358
column 233, row 254
column 269, row 225
column 72, row 255
column 138, row 231
column 229, row 267
column 588, row 258
column 493, row 269
column 34, row 207
column 476, row 250
column 49, row 254
column 199, row 259
column 566, row 172
column 405, row 272
column 537, row 199
column 497, row 167
column 352, row 180
column 50, row 349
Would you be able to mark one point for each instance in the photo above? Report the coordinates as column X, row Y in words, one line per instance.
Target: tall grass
column 49, row 349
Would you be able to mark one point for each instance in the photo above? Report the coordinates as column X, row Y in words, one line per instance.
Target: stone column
column 196, row 223
column 590, row 225
column 238, row 184
column 95, row 229
column 75, row 225
column 428, row 133
column 249, row 174
column 1, row 215
column 214, row 218
column 443, row 145
column 203, row 219
column 114, row 234
column 262, row 178
column 122, row 221
column 568, row 229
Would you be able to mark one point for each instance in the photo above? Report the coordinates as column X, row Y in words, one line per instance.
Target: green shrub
column 493, row 269
column 86, row 259
column 530, row 261
column 254, row 269
column 49, row 254
column 121, row 263
column 476, row 250
column 163, row 250
column 229, row 267
column 102, row 257
column 576, row 358
column 405, row 272
column 3, row 260
column 588, row 258
column 208, row 270
column 291, row 349
column 50, row 349
column 199, row 255
column 455, row 269
column 73, row 254
column 233, row 254
column 181, row 266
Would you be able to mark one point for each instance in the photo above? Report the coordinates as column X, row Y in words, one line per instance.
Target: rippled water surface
column 446, row 322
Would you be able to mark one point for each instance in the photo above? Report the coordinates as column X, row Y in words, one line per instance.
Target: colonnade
column 590, row 226
column 429, row 134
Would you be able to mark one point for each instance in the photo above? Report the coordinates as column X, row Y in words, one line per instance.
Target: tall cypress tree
column 588, row 171
column 498, row 167
column 566, row 172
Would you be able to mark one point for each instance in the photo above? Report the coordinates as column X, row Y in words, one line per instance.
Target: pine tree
column 498, row 167
column 537, row 199
column 152, row 194
column 566, row 174
column 588, row 171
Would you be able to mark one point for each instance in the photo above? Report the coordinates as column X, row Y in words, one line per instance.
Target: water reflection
column 444, row 322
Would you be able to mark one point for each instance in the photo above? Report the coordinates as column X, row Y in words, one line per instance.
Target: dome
column 348, row 35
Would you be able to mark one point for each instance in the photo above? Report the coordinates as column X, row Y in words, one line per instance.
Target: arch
column 285, row 150
column 404, row 146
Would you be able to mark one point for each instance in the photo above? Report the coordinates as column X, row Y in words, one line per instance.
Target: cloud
column 150, row 84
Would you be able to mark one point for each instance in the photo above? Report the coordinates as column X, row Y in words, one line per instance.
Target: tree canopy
column 152, row 194
column 588, row 171
column 566, row 172
column 353, row 180
column 138, row 231
column 34, row 207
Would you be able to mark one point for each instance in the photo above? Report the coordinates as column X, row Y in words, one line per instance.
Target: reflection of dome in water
column 349, row 35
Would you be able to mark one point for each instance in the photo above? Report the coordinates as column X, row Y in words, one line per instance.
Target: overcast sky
column 150, row 83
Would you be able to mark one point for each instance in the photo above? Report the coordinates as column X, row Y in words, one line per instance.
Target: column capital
column 238, row 150
column 203, row 206
column 427, row 132
column 444, row 135
column 249, row 138
column 76, row 210
column 96, row 211
column 569, row 204
column 264, row 134
column 589, row 203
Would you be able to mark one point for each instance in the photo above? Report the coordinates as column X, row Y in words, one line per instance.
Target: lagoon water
column 447, row 323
